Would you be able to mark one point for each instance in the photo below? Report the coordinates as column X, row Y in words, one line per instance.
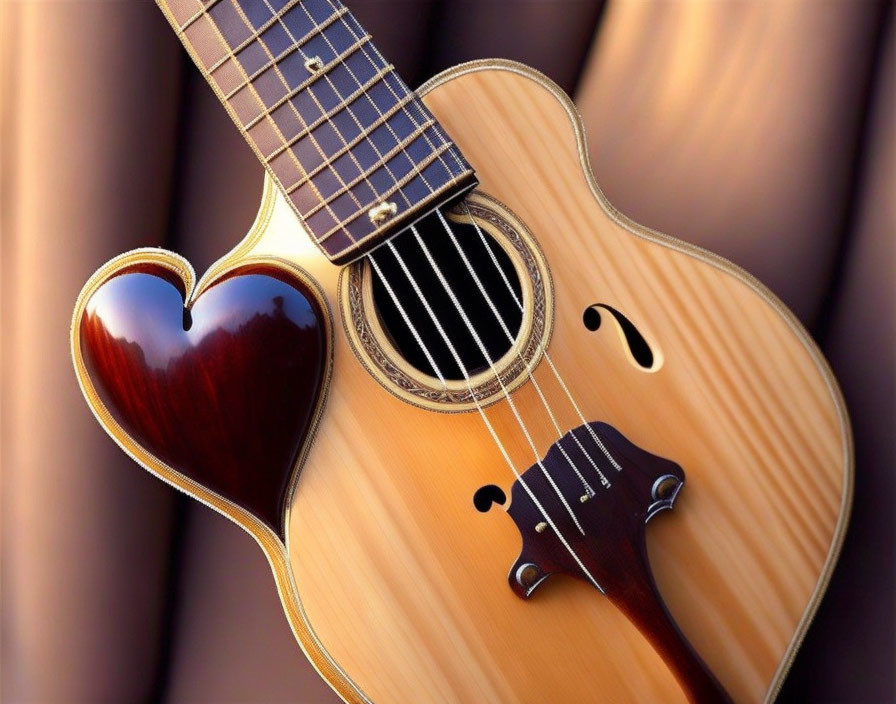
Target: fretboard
column 357, row 154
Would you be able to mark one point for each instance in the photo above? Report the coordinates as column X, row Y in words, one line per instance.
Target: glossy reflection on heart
column 226, row 392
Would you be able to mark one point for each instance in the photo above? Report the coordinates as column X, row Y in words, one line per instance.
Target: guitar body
column 396, row 586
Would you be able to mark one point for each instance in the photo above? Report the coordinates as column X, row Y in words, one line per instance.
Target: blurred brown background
column 762, row 130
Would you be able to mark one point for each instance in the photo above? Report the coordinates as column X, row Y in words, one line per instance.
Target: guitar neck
column 354, row 150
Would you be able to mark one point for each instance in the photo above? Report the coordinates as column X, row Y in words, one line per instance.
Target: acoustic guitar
column 442, row 368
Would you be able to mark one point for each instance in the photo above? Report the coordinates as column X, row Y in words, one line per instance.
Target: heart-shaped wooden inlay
column 225, row 392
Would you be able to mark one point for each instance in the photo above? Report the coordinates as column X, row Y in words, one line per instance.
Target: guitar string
column 479, row 408
column 482, row 349
column 407, row 321
column 418, row 128
column 250, row 85
column 547, row 357
column 351, row 153
column 589, row 491
column 426, row 305
column 312, row 138
column 405, row 108
column 302, row 53
column 443, row 137
column 335, row 128
column 529, row 365
column 368, row 138
column 604, row 481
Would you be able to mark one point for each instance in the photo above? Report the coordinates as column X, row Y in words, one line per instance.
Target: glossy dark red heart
column 226, row 393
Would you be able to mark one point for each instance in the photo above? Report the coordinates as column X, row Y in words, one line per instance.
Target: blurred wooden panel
column 400, row 31
column 90, row 110
column 218, row 177
column 550, row 36
column 232, row 642
column 734, row 126
column 856, row 619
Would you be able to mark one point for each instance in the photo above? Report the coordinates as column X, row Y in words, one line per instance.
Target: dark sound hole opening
column 487, row 495
column 463, row 285
column 637, row 345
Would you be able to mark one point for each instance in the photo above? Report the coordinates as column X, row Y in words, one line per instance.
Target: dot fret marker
column 339, row 131
column 381, row 213
column 314, row 64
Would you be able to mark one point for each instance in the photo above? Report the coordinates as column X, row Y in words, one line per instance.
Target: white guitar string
column 529, row 365
column 407, row 321
column 481, row 411
column 550, row 362
column 604, row 481
column 443, row 138
column 405, row 108
column 589, row 490
column 419, row 293
column 416, row 126
column 345, row 188
column 463, row 314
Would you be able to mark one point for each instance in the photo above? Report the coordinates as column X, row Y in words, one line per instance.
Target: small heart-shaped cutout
column 225, row 391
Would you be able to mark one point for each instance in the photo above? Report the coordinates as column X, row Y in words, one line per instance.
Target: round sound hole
column 494, row 330
column 514, row 281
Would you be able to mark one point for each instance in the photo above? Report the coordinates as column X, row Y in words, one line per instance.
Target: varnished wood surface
column 405, row 583
column 396, row 586
column 610, row 548
column 225, row 391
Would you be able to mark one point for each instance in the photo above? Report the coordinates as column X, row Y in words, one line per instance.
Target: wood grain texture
column 610, row 549
column 373, row 345
column 404, row 581
column 225, row 391
column 396, row 586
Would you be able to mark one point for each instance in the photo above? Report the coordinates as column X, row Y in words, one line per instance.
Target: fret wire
column 445, row 142
column 311, row 136
column 315, row 171
column 375, row 106
column 345, row 189
column 203, row 11
column 354, row 117
column 404, row 181
column 268, row 23
column 357, row 244
column 399, row 147
column 443, row 138
column 306, row 83
column 356, row 140
column 260, row 101
column 361, row 90
column 392, row 189
column 286, row 52
column 403, row 104
column 439, row 131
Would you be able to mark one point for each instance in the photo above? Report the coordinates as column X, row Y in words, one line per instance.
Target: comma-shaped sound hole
column 637, row 345
column 487, row 495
